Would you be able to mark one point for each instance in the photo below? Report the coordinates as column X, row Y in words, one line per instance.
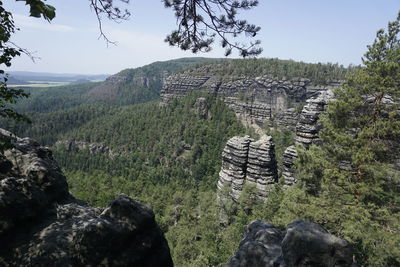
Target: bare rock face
column 301, row 244
column 41, row 224
column 94, row 149
column 259, row 98
column 307, row 128
column 200, row 108
column 288, row 174
column 247, row 161
column 262, row 166
column 234, row 165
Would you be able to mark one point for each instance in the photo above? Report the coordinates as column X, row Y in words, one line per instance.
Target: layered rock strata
column 41, row 224
column 259, row 98
column 234, row 165
column 307, row 128
column 261, row 165
column 245, row 161
column 307, row 131
column 288, row 172
column 300, row 244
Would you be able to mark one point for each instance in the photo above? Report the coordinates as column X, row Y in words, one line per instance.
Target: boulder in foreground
column 301, row 244
column 41, row 224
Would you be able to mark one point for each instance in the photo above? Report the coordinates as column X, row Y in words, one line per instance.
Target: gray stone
column 258, row 99
column 288, row 173
column 201, row 109
column 41, row 224
column 247, row 161
column 307, row 127
column 301, row 244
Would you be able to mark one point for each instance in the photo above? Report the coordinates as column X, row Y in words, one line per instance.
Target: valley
column 209, row 144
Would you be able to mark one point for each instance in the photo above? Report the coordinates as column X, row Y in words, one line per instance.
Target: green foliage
column 350, row 184
column 189, row 217
column 8, row 50
column 160, row 143
column 285, row 69
column 282, row 137
column 38, row 9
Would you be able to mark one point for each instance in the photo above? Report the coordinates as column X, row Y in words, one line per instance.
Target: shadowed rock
column 301, row 244
column 288, row 172
column 41, row 224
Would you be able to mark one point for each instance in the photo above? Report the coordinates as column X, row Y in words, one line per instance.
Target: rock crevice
column 300, row 244
column 41, row 224
column 245, row 161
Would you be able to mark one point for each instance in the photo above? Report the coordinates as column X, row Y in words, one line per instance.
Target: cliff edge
column 42, row 224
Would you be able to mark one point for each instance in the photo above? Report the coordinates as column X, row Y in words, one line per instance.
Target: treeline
column 318, row 73
column 144, row 84
column 189, row 216
column 159, row 143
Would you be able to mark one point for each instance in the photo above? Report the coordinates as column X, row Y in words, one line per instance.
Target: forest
column 169, row 157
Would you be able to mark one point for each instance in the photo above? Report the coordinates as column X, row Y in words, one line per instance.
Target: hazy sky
column 303, row 30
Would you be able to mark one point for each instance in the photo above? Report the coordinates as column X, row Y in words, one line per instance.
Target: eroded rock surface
column 300, row 244
column 307, row 127
column 259, row 98
column 245, row 161
column 41, row 224
column 288, row 172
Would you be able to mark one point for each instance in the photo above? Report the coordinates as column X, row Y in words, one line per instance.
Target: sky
column 303, row 30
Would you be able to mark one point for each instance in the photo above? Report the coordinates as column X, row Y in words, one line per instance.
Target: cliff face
column 245, row 161
column 288, row 172
column 307, row 127
column 41, row 224
column 258, row 98
column 300, row 244
column 307, row 132
column 261, row 99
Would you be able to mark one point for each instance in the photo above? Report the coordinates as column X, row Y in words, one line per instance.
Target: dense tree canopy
column 351, row 183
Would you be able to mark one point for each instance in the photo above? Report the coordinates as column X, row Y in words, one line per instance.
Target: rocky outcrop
column 201, row 109
column 245, row 161
column 259, row 98
column 300, row 244
column 234, row 165
column 307, row 131
column 41, row 224
column 263, row 100
column 288, row 172
column 287, row 119
column 307, row 128
column 261, row 165
column 92, row 148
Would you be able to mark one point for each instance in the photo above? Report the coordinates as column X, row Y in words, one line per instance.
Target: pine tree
column 352, row 181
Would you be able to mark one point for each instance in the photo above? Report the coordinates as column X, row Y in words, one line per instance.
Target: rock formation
column 234, row 165
column 245, row 161
column 94, row 149
column 301, row 244
column 288, row 175
column 259, row 98
column 200, row 108
column 307, row 131
column 307, row 128
column 41, row 224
